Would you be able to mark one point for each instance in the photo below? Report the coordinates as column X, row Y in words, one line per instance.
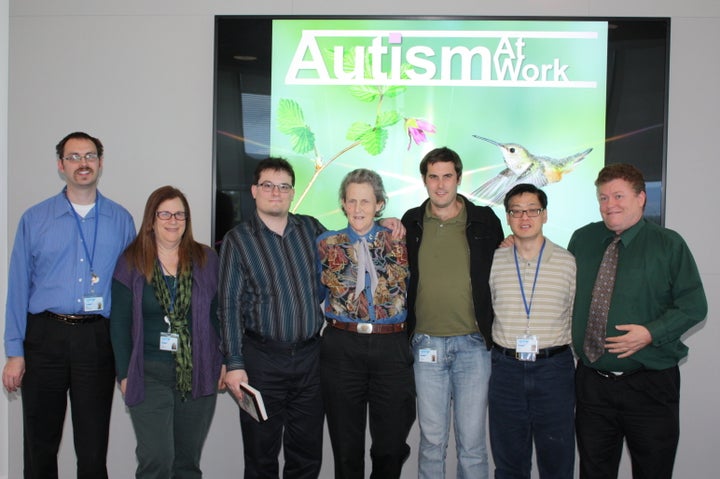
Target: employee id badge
column 526, row 347
column 169, row 342
column 427, row 355
column 92, row 303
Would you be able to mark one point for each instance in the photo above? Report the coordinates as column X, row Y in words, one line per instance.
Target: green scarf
column 177, row 313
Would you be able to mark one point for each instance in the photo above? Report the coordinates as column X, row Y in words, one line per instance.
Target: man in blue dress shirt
column 56, row 327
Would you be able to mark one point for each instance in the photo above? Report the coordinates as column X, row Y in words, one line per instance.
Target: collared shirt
column 338, row 266
column 483, row 234
column 444, row 305
column 550, row 304
column 268, row 284
column 49, row 266
column 657, row 285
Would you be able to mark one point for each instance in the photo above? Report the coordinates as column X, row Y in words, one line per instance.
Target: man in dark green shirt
column 632, row 390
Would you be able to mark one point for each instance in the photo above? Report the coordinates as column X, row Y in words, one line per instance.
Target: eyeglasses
column 531, row 213
column 166, row 215
column 269, row 187
column 76, row 157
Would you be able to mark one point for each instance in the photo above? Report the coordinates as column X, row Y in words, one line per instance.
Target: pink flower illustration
column 417, row 129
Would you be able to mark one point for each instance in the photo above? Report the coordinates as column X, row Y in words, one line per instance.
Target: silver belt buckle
column 364, row 328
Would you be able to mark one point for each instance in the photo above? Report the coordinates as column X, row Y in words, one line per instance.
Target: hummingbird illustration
column 524, row 167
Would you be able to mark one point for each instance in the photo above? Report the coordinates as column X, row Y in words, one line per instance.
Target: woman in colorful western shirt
column 365, row 355
column 164, row 332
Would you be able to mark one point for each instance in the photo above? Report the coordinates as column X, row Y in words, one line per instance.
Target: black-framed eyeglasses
column 268, row 187
column 166, row 215
column 534, row 213
column 77, row 157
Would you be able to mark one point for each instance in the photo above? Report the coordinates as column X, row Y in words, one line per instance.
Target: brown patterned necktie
column 600, row 305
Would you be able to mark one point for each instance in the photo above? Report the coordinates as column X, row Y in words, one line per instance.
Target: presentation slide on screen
column 519, row 101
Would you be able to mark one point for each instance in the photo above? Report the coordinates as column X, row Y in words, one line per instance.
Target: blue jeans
column 459, row 375
column 532, row 401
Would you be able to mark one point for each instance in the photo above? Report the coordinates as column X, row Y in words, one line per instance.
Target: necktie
column 600, row 305
column 365, row 265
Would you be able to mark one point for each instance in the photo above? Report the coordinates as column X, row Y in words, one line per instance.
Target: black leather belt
column 541, row 354
column 74, row 318
column 276, row 345
column 368, row 328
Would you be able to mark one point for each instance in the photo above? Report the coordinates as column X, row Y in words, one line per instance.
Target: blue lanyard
column 89, row 256
column 528, row 306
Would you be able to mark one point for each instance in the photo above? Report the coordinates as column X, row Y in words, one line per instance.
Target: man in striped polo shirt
column 531, row 396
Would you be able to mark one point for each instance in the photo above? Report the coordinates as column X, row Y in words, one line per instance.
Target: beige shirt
column 552, row 301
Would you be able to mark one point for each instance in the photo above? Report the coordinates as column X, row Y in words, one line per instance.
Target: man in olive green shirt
column 632, row 390
column 451, row 243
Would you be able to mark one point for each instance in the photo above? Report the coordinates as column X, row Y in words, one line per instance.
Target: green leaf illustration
column 372, row 139
column 365, row 93
column 387, row 118
column 290, row 116
column 302, row 140
column 292, row 122
column 357, row 130
column 395, row 91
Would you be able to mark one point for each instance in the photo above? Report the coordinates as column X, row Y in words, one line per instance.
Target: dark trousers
column 532, row 402
column 60, row 357
column 170, row 430
column 642, row 408
column 288, row 377
column 361, row 371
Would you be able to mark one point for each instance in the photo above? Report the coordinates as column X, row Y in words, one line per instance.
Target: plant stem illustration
column 371, row 136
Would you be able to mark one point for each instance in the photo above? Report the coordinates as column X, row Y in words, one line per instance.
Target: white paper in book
column 252, row 403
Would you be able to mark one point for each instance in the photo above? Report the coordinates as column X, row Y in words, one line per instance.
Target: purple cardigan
column 206, row 356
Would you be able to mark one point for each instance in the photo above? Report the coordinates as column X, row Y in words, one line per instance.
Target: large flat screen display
column 519, row 100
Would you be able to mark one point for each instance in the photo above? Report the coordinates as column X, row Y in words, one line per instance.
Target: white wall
column 138, row 74
column 4, row 32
